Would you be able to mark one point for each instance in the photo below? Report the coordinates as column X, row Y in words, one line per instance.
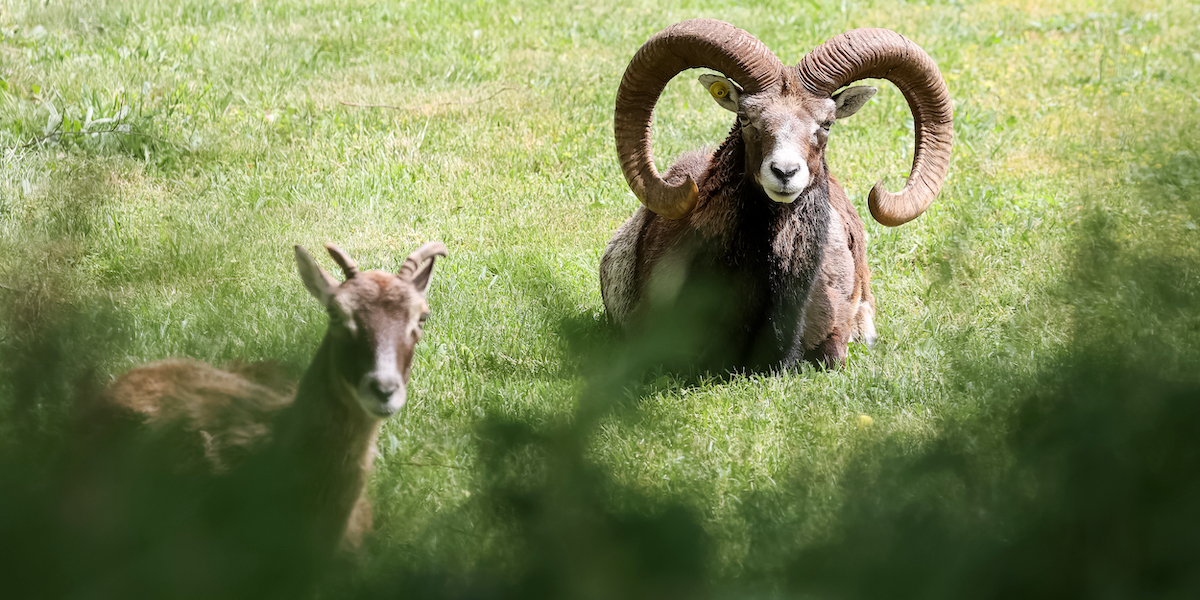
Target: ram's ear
column 849, row 100
column 723, row 90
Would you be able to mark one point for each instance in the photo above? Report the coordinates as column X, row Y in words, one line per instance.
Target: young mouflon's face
column 375, row 322
column 785, row 133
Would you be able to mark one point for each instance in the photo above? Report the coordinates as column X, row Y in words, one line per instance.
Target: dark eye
column 421, row 320
column 340, row 321
column 743, row 119
column 826, row 125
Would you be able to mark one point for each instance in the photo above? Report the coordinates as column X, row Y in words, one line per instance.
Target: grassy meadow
column 160, row 159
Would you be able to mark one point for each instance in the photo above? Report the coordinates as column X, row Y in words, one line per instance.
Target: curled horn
column 690, row 44
column 414, row 261
column 349, row 267
column 884, row 54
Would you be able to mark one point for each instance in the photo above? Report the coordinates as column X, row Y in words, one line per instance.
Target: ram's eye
column 421, row 320
column 826, row 125
column 743, row 120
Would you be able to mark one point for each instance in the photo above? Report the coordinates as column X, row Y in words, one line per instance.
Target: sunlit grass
column 247, row 135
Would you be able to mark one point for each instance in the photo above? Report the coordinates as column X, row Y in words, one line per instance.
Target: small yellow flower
column 865, row 421
column 718, row 89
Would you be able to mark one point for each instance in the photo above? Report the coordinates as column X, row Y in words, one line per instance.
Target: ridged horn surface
column 349, row 267
column 885, row 54
column 418, row 258
column 695, row 43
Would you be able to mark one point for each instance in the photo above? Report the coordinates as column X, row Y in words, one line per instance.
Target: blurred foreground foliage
column 1076, row 482
column 1032, row 421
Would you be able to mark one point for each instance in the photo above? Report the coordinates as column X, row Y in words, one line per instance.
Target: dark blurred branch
column 58, row 134
column 436, row 465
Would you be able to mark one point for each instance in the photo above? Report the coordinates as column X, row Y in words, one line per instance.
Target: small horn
column 689, row 44
column 419, row 256
column 880, row 53
column 349, row 267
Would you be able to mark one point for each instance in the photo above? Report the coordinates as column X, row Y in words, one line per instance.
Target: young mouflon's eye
column 338, row 319
column 827, row 124
column 421, row 320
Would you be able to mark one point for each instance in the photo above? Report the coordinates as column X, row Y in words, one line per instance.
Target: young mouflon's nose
column 381, row 396
column 382, row 389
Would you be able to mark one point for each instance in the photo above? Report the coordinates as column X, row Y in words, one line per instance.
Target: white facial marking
column 381, row 391
column 784, row 172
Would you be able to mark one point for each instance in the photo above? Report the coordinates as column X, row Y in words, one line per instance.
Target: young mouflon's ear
column 349, row 267
column 423, row 275
column 723, row 90
column 849, row 100
column 319, row 283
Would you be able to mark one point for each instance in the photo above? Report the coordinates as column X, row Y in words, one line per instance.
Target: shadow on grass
column 1077, row 482
column 1077, row 488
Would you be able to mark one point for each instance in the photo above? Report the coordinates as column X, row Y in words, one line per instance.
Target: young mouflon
column 318, row 442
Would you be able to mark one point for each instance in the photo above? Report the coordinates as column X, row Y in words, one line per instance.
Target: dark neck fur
column 733, row 209
column 324, row 441
column 773, row 249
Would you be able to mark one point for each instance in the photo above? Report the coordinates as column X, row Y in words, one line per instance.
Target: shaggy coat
column 797, row 297
column 752, row 256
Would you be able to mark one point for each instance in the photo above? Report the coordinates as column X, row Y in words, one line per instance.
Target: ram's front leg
column 831, row 352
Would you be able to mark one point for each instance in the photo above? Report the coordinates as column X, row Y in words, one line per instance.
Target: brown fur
column 317, row 439
column 839, row 306
column 230, row 417
column 228, row 414
column 333, row 440
column 842, row 298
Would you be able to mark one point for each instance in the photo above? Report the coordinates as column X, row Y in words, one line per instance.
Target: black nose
column 782, row 174
column 380, row 389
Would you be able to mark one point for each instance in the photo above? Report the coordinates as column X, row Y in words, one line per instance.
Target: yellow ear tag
column 718, row 89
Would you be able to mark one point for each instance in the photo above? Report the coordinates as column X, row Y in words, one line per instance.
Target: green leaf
column 53, row 121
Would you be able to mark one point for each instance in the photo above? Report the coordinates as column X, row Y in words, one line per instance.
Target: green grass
column 244, row 138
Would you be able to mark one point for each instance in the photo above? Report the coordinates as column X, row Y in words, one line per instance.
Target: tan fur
column 231, row 415
column 639, row 268
column 228, row 412
column 841, row 308
column 325, row 427
column 359, row 525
